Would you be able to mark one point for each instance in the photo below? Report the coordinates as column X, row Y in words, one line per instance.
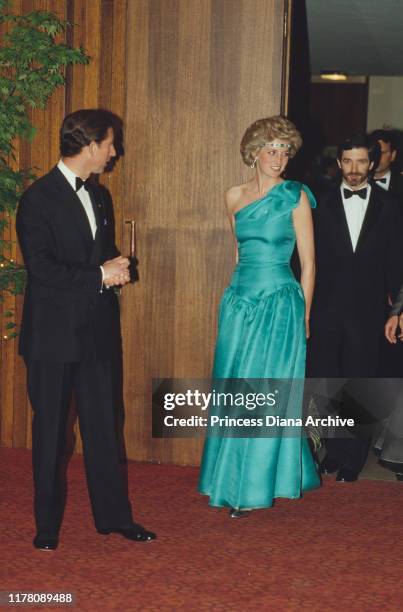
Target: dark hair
column 84, row 126
column 361, row 141
column 386, row 136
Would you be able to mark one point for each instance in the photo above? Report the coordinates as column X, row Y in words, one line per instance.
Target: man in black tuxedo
column 358, row 264
column 386, row 176
column 70, row 327
column 390, row 179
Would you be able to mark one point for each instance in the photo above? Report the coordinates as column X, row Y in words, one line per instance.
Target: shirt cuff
column 102, row 281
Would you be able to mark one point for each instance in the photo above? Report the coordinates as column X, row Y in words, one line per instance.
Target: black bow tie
column 362, row 193
column 80, row 183
column 382, row 180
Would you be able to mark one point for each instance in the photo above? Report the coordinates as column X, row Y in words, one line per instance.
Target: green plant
column 32, row 66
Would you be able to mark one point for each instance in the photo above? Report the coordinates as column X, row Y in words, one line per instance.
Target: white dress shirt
column 386, row 184
column 355, row 209
column 82, row 194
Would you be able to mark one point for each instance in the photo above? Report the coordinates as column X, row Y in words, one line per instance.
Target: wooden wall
column 188, row 76
column 198, row 73
column 340, row 109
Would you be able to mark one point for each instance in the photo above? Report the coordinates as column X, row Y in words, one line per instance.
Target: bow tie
column 80, row 183
column 382, row 180
column 362, row 193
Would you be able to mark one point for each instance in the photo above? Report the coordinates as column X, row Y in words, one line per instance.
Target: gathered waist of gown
column 261, row 278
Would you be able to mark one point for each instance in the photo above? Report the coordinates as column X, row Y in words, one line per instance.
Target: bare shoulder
column 232, row 197
column 235, row 196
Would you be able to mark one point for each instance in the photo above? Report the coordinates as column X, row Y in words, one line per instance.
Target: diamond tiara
column 278, row 145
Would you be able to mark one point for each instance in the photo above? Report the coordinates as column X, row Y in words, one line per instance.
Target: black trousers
column 50, row 388
column 352, row 353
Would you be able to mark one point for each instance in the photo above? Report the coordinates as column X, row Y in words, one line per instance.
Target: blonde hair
column 266, row 130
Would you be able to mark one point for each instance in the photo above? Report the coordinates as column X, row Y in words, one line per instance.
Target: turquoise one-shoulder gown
column 261, row 335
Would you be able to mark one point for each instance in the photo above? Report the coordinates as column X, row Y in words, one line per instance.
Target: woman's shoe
column 234, row 513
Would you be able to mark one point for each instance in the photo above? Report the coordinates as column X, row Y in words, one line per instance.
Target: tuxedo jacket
column 396, row 185
column 352, row 287
column 66, row 317
column 397, row 306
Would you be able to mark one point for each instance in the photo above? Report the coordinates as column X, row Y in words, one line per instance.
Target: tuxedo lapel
column 396, row 184
column 97, row 208
column 340, row 222
column 68, row 198
column 370, row 219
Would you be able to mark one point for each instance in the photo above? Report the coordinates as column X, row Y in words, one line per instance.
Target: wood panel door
column 339, row 109
column 198, row 73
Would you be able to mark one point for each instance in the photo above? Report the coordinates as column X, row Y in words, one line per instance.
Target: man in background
column 389, row 178
column 386, row 175
column 359, row 263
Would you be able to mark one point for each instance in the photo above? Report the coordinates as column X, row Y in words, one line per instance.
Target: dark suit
column 392, row 354
column 396, row 185
column 397, row 306
column 350, row 300
column 69, row 335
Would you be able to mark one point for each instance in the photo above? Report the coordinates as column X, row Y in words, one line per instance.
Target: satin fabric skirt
column 261, row 335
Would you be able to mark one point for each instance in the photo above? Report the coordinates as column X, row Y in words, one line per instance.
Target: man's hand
column 116, row 271
column 119, row 280
column 390, row 329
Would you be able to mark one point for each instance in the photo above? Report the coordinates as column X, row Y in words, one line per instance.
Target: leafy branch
column 32, row 66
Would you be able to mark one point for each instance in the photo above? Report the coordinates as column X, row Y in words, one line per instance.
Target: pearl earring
column 254, row 163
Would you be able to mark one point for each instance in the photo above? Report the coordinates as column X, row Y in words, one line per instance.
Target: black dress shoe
column 346, row 475
column 43, row 542
column 136, row 533
column 329, row 466
column 234, row 513
column 399, row 476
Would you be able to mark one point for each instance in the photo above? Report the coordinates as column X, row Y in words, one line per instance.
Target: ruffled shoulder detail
column 279, row 201
column 290, row 192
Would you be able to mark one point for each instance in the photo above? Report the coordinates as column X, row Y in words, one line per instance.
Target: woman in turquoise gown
column 264, row 322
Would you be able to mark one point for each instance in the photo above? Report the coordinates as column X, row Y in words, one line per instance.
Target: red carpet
column 340, row 547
